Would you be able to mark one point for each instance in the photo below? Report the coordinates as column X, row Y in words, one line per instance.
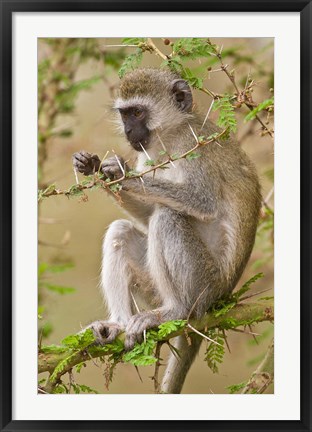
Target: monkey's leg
column 124, row 250
column 178, row 366
column 182, row 270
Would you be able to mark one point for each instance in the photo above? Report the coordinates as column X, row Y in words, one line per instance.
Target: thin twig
column 202, row 334
column 53, row 191
column 254, row 294
column 156, row 50
column 207, row 115
column 157, row 366
column 244, row 331
column 226, row 340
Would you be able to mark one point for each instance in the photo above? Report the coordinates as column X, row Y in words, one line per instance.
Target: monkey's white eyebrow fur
column 136, row 100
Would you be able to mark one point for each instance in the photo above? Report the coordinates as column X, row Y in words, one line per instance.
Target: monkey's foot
column 105, row 331
column 136, row 326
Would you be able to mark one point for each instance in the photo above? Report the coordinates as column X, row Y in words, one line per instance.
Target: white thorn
column 118, row 161
column 207, row 115
column 76, row 176
column 194, row 134
column 146, row 154
column 163, row 146
column 203, row 335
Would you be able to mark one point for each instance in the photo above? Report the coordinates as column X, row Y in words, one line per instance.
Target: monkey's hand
column 104, row 331
column 86, row 163
column 138, row 324
column 113, row 169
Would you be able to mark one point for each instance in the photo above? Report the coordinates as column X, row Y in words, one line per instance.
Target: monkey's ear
column 182, row 94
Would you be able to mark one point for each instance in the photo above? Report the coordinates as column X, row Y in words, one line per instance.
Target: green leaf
column 192, row 156
column 214, row 353
column 46, row 329
column 66, row 98
column 54, row 268
column 149, row 162
column 235, row 388
column 79, row 341
column 86, row 389
column 58, row 288
column 133, row 41
column 192, row 48
column 79, row 366
column 247, row 285
column 227, row 119
column 53, row 349
column 165, row 329
column 131, row 62
column 60, row 388
column 114, row 59
column 262, row 106
column 115, row 187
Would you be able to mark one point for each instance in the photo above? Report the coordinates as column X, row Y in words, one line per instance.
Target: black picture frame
column 7, row 9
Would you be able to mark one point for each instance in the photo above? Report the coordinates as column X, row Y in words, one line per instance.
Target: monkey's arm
column 87, row 163
column 136, row 208
column 189, row 198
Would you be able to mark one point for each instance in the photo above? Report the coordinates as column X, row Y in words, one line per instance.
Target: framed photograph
column 155, row 226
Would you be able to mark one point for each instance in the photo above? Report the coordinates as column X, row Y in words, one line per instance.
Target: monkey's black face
column 134, row 120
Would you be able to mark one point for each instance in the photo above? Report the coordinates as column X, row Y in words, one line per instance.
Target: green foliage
column 192, row 48
column 115, row 187
column 54, row 268
column 81, row 388
column 114, row 59
column 131, row 62
column 46, row 329
column 215, row 351
column 268, row 103
column 150, row 162
column 65, row 99
column 79, row 366
column 225, row 304
column 235, row 388
column 133, row 41
column 192, row 155
column 53, row 349
column 142, row 354
column 79, row 341
column 58, row 288
column 238, row 294
column 60, row 389
column 61, row 367
column 47, row 191
column 227, row 119
column 165, row 329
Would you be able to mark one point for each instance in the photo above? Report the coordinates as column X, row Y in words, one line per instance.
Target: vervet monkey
column 192, row 225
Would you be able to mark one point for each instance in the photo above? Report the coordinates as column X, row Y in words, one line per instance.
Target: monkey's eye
column 138, row 112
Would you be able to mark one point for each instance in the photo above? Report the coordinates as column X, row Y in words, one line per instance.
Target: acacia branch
column 240, row 95
column 51, row 190
column 263, row 375
column 239, row 315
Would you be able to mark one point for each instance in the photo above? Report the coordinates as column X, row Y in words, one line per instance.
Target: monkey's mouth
column 139, row 146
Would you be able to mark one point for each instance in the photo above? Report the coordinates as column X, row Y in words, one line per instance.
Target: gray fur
column 197, row 219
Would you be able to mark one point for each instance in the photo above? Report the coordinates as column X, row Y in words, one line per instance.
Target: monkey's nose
column 128, row 129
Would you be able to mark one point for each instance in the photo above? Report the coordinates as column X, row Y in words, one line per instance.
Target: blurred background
column 71, row 229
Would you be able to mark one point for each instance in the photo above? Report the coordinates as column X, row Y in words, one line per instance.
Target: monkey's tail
column 179, row 364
